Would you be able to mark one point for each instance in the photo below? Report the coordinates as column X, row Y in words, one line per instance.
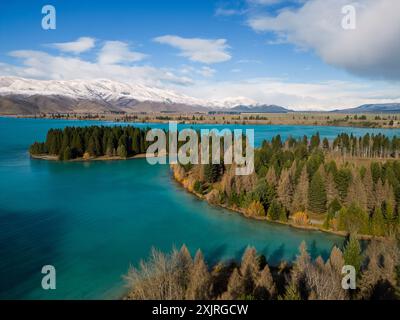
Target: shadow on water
column 276, row 256
column 214, row 255
column 315, row 252
column 28, row 242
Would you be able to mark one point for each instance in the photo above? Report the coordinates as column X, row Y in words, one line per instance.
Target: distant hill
column 373, row 108
column 260, row 109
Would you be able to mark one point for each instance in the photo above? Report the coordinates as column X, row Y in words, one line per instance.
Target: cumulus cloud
column 118, row 52
column 42, row 65
column 371, row 50
column 78, row 46
column 200, row 50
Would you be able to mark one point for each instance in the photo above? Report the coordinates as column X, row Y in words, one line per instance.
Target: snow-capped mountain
column 101, row 89
column 28, row 96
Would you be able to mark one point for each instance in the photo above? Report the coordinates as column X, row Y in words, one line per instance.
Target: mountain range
column 373, row 108
column 27, row 96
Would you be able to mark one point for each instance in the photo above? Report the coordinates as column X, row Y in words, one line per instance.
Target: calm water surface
column 92, row 220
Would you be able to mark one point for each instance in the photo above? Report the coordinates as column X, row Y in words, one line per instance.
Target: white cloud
column 204, row 71
column 326, row 95
column 200, row 50
column 41, row 65
column 118, row 52
column 228, row 12
column 207, row 71
column 80, row 45
column 272, row 2
column 264, row 2
column 248, row 61
column 371, row 50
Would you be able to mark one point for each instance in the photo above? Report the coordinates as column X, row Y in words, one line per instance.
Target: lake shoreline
column 48, row 157
column 265, row 219
column 270, row 121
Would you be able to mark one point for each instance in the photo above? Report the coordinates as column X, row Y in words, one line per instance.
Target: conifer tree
column 352, row 254
column 377, row 222
column 300, row 198
column 275, row 211
column 271, row 177
column 331, row 191
column 343, row 180
column 200, row 280
column 356, row 192
column 368, row 185
column 317, row 194
column 235, row 287
column 292, row 293
column 121, row 151
column 285, row 189
column 249, row 269
column 265, row 288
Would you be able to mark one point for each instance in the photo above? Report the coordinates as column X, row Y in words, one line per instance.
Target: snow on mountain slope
column 108, row 91
column 101, row 89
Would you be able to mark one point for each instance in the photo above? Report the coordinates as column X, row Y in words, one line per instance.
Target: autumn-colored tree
column 356, row 193
column 256, row 209
column 265, row 288
column 249, row 269
column 379, row 193
column 300, row 198
column 200, row 281
column 272, row 178
column 236, row 286
column 300, row 218
column 378, row 279
column 368, row 185
column 285, row 189
column 331, row 191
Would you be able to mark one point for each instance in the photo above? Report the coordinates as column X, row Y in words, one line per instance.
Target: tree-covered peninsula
column 348, row 185
column 91, row 142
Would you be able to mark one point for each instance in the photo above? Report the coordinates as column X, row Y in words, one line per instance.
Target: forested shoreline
column 348, row 185
column 177, row 276
column 91, row 142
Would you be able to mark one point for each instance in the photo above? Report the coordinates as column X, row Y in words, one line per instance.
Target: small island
column 91, row 143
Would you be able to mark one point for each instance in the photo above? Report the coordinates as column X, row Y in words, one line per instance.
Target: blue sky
column 266, row 51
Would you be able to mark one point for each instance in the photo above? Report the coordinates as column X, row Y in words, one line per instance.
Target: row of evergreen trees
column 93, row 141
column 367, row 146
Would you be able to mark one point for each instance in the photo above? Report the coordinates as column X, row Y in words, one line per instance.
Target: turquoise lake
column 92, row 220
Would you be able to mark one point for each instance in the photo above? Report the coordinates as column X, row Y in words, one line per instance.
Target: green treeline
column 340, row 185
column 178, row 276
column 93, row 141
